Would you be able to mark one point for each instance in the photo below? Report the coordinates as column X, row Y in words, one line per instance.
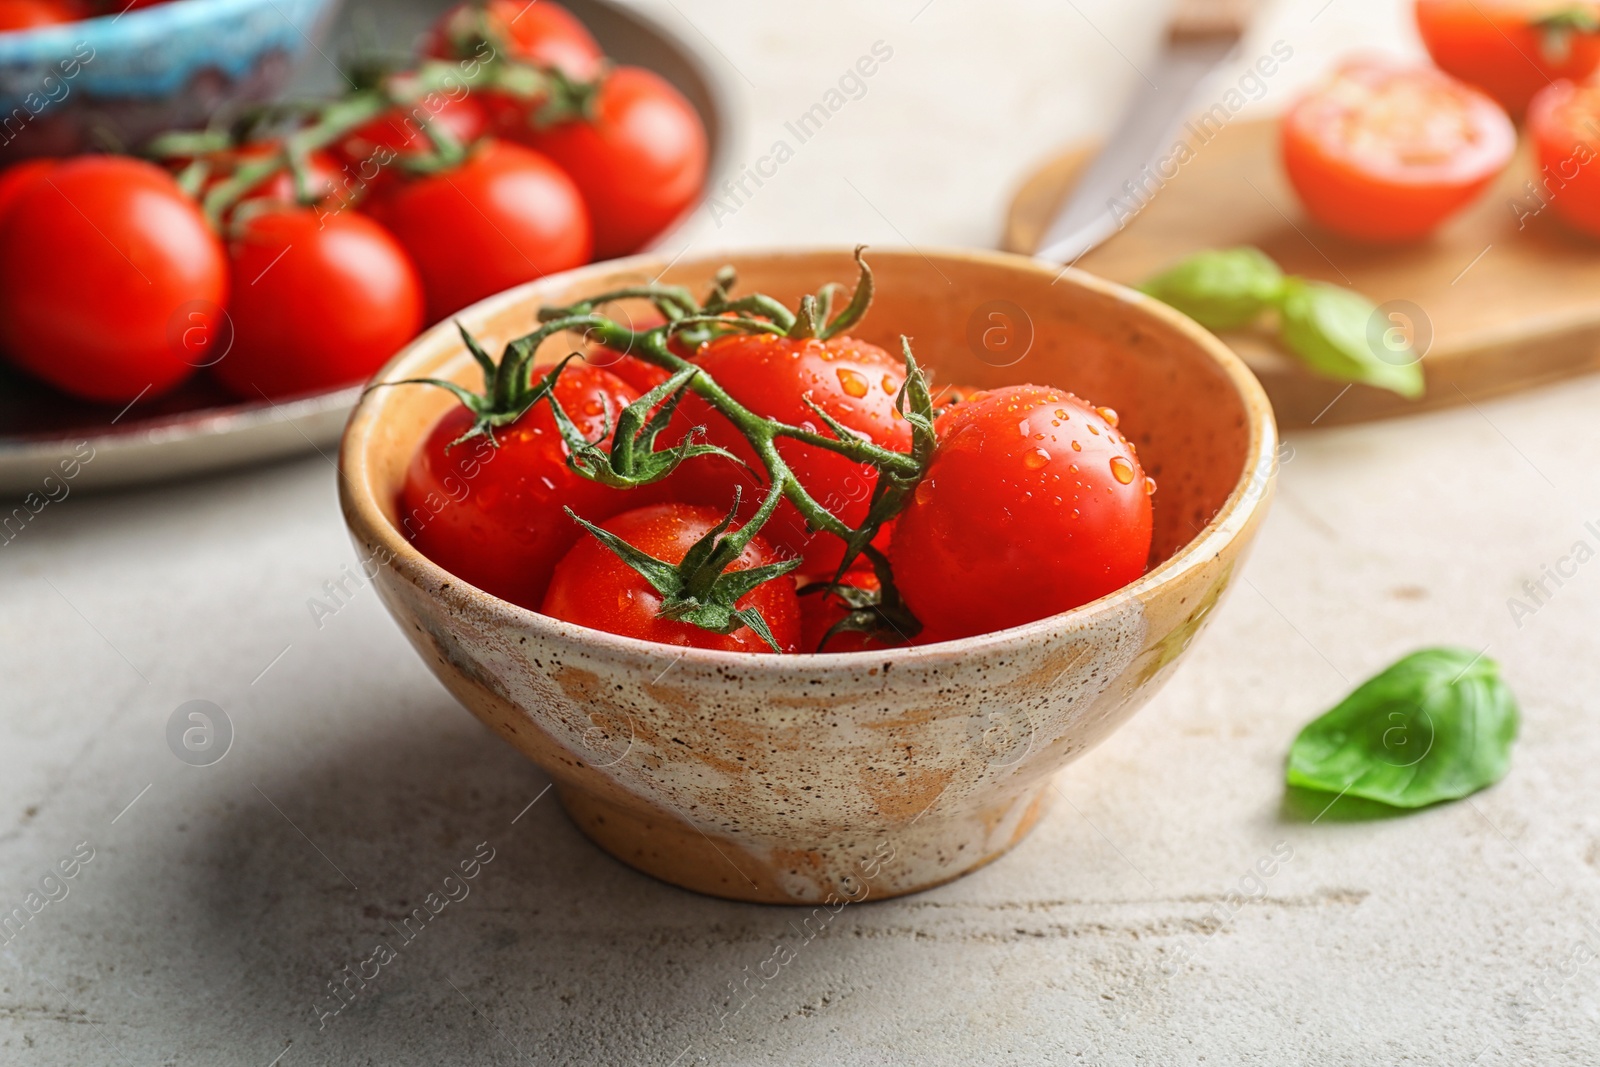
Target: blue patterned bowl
column 115, row 80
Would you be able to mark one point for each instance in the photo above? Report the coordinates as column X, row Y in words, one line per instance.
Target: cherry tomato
column 1564, row 121
column 111, row 283
column 319, row 300
column 492, row 516
column 374, row 153
column 851, row 380
column 631, row 369
column 821, row 610
column 1034, row 504
column 505, row 216
column 27, row 14
column 19, row 176
column 640, row 162
column 593, row 587
column 1511, row 48
column 542, row 33
column 1385, row 153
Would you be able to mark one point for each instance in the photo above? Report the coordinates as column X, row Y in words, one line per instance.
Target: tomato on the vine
column 492, row 515
column 506, row 216
column 639, row 161
column 319, row 300
column 1564, row 121
column 1387, row 153
column 322, row 174
column 593, row 587
column 1034, row 504
column 376, row 153
column 542, row 33
column 853, row 381
column 1511, row 49
column 111, row 283
column 821, row 610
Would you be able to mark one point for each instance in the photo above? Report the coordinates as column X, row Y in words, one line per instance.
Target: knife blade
column 1127, row 171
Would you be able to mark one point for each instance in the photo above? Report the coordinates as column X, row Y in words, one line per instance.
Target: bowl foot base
column 870, row 865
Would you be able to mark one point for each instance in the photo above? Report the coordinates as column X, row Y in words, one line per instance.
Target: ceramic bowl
column 123, row 77
column 816, row 778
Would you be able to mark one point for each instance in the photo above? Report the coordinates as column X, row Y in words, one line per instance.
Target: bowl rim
column 366, row 519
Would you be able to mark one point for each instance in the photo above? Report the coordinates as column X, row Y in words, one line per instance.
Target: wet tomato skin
column 819, row 611
column 493, row 515
column 593, row 587
column 853, row 381
column 1034, row 504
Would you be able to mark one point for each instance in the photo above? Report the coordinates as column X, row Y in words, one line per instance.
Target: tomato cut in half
column 593, row 587
column 1387, row 153
column 1564, row 122
column 1511, row 49
column 1034, row 504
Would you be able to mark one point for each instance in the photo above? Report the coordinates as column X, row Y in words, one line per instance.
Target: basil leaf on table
column 1436, row 725
column 1221, row 290
column 1328, row 327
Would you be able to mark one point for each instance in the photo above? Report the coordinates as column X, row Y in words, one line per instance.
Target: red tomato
column 1500, row 46
column 492, row 516
column 631, row 369
column 1033, row 505
column 820, row 611
column 111, row 283
column 640, row 163
column 26, row 14
column 1384, row 153
column 593, row 587
column 851, row 380
column 505, row 216
column 1564, row 122
column 19, row 176
column 318, row 301
column 372, row 153
column 542, row 33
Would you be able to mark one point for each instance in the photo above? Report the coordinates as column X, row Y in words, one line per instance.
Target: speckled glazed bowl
column 818, row 778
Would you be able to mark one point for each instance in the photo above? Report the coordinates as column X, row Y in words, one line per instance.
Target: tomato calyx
column 879, row 613
column 1557, row 29
column 701, row 590
column 632, row 460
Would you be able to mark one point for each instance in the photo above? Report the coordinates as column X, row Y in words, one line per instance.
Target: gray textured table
column 219, row 902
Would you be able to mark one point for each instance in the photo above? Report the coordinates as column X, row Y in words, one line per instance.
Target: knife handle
column 1193, row 19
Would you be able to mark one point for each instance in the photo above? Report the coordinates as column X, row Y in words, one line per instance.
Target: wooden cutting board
column 1495, row 308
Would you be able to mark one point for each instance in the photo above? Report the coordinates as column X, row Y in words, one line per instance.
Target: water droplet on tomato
column 1094, row 429
column 1149, row 486
column 1121, row 470
column 594, row 407
column 889, row 385
column 1109, row 414
column 852, row 382
column 1076, row 447
column 1035, row 459
column 1061, row 413
column 924, row 491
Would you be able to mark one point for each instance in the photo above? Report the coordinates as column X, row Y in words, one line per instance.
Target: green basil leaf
column 1437, row 725
column 1222, row 289
column 1332, row 330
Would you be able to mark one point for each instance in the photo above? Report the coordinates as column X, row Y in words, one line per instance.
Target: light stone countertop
column 220, row 900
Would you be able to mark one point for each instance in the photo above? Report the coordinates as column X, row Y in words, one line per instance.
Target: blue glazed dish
column 113, row 81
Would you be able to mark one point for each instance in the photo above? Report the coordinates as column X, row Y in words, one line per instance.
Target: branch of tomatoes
column 701, row 590
column 296, row 130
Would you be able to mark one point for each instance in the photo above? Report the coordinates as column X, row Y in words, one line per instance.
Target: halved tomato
column 1381, row 152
